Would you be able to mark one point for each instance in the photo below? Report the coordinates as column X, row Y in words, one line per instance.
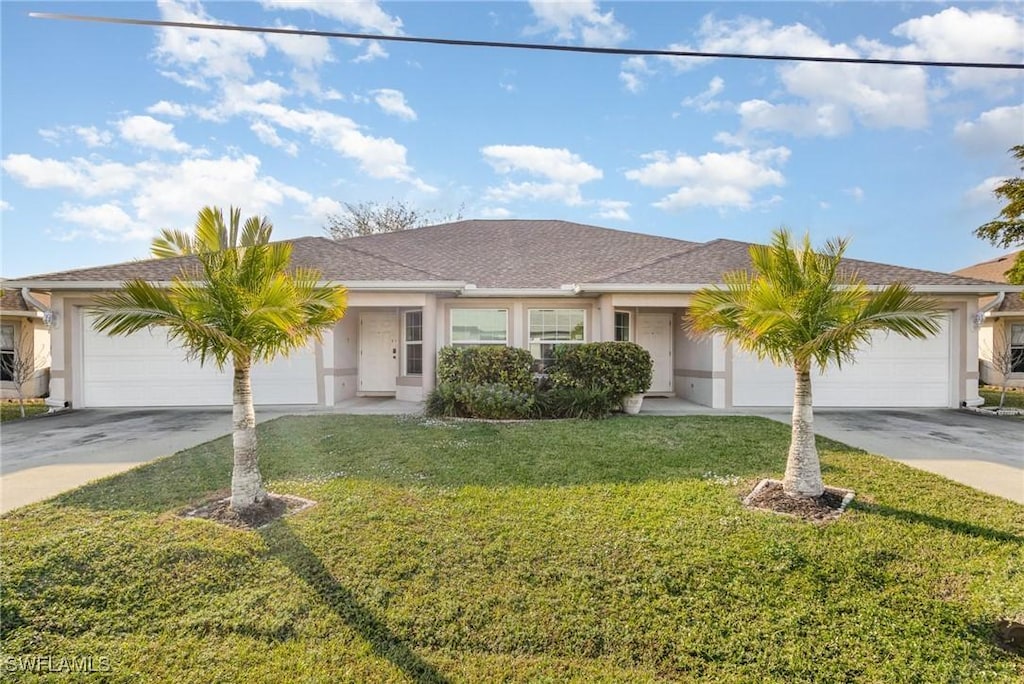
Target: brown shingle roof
column 995, row 270
column 512, row 254
column 11, row 301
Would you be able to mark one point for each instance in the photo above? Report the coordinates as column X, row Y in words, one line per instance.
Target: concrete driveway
column 981, row 451
column 41, row 457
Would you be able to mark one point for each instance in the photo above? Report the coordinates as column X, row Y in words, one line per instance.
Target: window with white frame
column 623, row 327
column 479, row 326
column 7, row 353
column 1017, row 347
column 552, row 327
column 413, row 342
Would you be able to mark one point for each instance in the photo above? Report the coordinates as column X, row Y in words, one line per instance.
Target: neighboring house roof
column 510, row 254
column 995, row 269
column 11, row 301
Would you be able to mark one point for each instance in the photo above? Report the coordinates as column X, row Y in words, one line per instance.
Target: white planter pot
column 631, row 404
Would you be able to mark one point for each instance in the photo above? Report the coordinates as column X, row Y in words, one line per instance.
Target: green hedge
column 486, row 365
column 493, row 401
column 622, row 368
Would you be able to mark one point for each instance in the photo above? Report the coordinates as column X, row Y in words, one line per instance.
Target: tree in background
column 1008, row 230
column 370, row 218
column 800, row 308
column 238, row 303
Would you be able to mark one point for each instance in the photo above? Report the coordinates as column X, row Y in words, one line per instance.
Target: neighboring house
column 529, row 284
column 1001, row 321
column 24, row 344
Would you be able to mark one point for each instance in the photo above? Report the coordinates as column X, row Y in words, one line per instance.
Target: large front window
column 479, row 326
column 7, row 353
column 414, row 343
column 1017, row 347
column 552, row 327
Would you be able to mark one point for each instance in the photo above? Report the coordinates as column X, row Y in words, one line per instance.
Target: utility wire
column 521, row 46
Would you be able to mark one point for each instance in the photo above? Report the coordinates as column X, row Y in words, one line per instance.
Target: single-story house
column 24, row 343
column 528, row 284
column 1000, row 322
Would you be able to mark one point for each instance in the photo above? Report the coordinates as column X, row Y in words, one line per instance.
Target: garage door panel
column 145, row 369
column 892, row 371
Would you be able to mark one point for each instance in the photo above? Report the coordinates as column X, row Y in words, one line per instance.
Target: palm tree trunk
column 803, row 469
column 246, row 482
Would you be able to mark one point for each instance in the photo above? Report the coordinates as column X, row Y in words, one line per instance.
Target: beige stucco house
column 529, row 284
column 24, row 344
column 1000, row 322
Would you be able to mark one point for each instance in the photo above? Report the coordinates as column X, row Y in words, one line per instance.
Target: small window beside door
column 623, row 326
column 414, row 343
column 7, row 353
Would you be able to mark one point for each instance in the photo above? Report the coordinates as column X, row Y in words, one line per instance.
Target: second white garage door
column 893, row 372
column 144, row 370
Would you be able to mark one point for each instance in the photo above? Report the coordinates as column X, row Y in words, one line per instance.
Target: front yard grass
column 9, row 410
column 1014, row 397
column 615, row 550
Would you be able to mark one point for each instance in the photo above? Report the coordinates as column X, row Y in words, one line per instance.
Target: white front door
column 378, row 352
column 654, row 333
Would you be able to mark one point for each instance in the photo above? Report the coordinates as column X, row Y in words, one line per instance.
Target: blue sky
column 110, row 133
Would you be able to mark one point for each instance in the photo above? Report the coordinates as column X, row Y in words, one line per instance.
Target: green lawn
column 562, row 551
column 1014, row 397
column 9, row 410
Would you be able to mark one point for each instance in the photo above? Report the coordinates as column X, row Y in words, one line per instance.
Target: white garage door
column 894, row 371
column 144, row 370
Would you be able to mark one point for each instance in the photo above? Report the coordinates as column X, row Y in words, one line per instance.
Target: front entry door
column 378, row 352
column 654, row 333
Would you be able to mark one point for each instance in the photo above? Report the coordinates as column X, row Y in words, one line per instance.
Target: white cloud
column 632, row 73
column 714, row 179
column 993, row 131
column 578, row 21
column 562, row 172
column 495, row 213
column 803, row 120
column 145, row 131
column 5, row 206
column 306, row 52
column 197, row 54
column 393, row 102
column 105, row 221
column 51, row 135
column 856, row 192
column 322, row 207
column 92, row 136
column 984, row 192
column 374, row 51
column 705, row 101
column 613, row 210
column 364, row 14
column 268, row 135
column 165, row 108
column 84, row 177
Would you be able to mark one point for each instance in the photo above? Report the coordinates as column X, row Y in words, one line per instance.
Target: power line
column 521, row 46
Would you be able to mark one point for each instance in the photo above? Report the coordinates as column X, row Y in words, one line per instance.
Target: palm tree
column 236, row 301
column 802, row 309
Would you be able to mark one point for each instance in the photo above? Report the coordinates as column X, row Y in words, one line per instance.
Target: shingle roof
column 995, row 270
column 11, row 301
column 512, row 254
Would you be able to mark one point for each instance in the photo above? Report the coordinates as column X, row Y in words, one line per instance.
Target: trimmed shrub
column 576, row 402
column 486, row 365
column 493, row 401
column 621, row 368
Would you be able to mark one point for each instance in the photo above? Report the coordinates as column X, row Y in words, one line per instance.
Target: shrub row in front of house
column 496, row 382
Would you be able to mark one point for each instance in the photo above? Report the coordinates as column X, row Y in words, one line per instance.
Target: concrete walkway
column 44, row 456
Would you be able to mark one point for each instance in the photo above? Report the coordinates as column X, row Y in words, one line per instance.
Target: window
column 552, row 327
column 479, row 326
column 622, row 326
column 7, row 353
column 414, row 343
column 1017, row 347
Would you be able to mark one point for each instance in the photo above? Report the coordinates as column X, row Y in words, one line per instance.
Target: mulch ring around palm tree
column 769, row 495
column 274, row 506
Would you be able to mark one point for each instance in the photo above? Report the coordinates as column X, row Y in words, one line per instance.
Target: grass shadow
column 290, row 550
column 945, row 524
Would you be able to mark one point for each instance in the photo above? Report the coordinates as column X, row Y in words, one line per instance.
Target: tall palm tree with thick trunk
column 236, row 302
column 804, row 309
